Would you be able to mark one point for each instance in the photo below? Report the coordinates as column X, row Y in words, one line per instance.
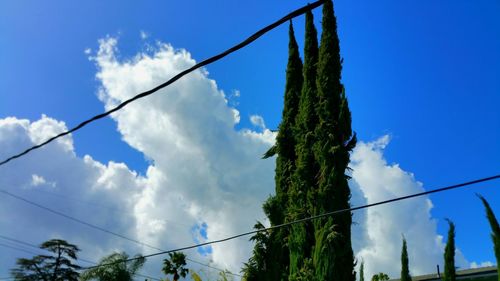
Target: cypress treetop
column 449, row 254
column 301, row 201
column 495, row 231
column 276, row 206
column 405, row 271
column 333, row 256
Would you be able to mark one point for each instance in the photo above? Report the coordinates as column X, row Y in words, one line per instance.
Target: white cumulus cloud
column 206, row 180
column 204, row 171
column 379, row 230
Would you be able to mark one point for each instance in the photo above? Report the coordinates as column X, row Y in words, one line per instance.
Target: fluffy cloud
column 205, row 180
column 482, row 264
column 378, row 231
column 204, row 171
column 80, row 187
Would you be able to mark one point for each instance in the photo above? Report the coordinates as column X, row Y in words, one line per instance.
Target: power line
column 102, row 206
column 215, row 268
column 99, row 228
column 205, row 62
column 73, row 218
column 19, row 241
column 319, row 216
column 18, row 249
column 35, row 246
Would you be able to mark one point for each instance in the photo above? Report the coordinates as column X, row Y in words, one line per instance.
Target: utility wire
column 205, row 62
column 318, row 217
column 73, row 218
column 99, row 228
column 38, row 248
column 18, row 249
column 35, row 246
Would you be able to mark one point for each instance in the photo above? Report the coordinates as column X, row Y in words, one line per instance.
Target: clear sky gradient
column 424, row 72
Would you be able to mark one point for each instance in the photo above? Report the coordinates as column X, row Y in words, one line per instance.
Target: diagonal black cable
column 205, row 62
column 318, row 217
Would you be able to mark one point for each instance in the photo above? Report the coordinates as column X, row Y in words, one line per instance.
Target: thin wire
column 102, row 206
column 18, row 249
column 215, row 268
column 35, row 246
column 99, row 228
column 319, row 216
column 205, row 62
column 19, row 241
column 73, row 218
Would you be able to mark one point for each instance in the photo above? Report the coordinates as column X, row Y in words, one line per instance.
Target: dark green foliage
column 56, row 267
column 333, row 256
column 175, row 265
column 405, row 271
column 305, row 272
column 449, row 254
column 285, row 140
column 114, row 267
column 495, row 231
column 276, row 207
column 362, row 271
column 255, row 268
column 380, row 277
column 301, row 203
column 312, row 147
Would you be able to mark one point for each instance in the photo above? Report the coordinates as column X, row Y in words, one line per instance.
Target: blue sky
column 423, row 72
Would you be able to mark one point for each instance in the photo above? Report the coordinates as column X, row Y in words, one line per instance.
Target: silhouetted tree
column 449, row 254
column 114, row 267
column 495, row 231
column 56, row 267
column 380, row 277
column 362, row 271
column 175, row 265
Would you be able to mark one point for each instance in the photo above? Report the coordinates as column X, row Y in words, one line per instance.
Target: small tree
column 362, row 271
column 58, row 266
column 449, row 254
column 175, row 265
column 380, row 277
column 114, row 267
column 495, row 231
column 405, row 271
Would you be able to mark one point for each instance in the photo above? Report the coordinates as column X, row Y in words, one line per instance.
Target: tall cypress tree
column 301, row 238
column 405, row 271
column 495, row 231
column 276, row 206
column 333, row 256
column 449, row 254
